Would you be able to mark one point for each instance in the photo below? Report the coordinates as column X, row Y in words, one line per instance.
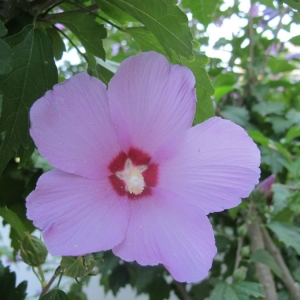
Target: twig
column 183, row 292
column 287, row 278
column 263, row 272
column 48, row 285
column 238, row 252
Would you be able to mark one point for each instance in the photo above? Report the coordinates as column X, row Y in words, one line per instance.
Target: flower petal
column 213, row 165
column 151, row 101
column 165, row 229
column 71, row 127
column 77, row 215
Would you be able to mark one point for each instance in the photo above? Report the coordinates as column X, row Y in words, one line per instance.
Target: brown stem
column 183, row 292
column 263, row 272
column 48, row 285
column 287, row 278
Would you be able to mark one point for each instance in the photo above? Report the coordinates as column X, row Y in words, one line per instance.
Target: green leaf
column 238, row 115
column 204, row 89
column 80, row 266
column 242, row 290
column 5, row 58
column 88, row 31
column 222, row 91
column 295, row 40
column 288, row 234
column 259, row 138
column 3, row 30
column 278, row 65
column 34, row 72
column 247, row 289
column 227, row 79
column 268, row 107
column 13, row 220
column 145, row 39
column 165, row 20
column 58, row 45
column 293, row 133
column 264, row 257
column 293, row 4
column 202, row 10
column 55, row 295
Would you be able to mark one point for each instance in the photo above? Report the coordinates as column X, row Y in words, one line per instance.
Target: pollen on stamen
column 133, row 178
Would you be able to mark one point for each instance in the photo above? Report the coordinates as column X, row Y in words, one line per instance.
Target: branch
column 263, row 272
column 287, row 278
column 48, row 285
column 183, row 292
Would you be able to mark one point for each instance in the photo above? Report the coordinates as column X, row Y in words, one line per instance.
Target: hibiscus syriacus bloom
column 131, row 174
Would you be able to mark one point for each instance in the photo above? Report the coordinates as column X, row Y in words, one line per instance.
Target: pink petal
column 266, row 184
column 165, row 229
column 213, row 165
column 71, row 127
column 77, row 215
column 151, row 101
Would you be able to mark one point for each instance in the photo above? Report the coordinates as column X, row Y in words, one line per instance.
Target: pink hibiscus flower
column 131, row 174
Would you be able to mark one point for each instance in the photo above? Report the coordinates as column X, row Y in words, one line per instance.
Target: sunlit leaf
column 165, row 20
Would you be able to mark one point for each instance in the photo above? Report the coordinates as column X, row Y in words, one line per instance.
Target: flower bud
column 33, row 251
column 239, row 274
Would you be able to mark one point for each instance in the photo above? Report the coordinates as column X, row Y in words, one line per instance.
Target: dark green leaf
column 118, row 278
column 264, row 257
column 5, row 58
column 165, row 20
column 159, row 289
column 114, row 12
column 55, row 295
column 3, row 30
column 58, row 45
column 288, row 234
column 34, row 72
column 7, row 285
column 88, row 31
column 13, row 220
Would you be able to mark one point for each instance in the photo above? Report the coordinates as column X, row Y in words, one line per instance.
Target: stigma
column 133, row 177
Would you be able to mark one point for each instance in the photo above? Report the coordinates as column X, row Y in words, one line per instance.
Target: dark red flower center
column 133, row 174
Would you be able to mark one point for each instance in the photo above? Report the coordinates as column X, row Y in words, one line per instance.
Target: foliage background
column 257, row 87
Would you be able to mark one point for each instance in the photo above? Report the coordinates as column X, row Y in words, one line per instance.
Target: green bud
column 33, row 251
column 245, row 251
column 242, row 230
column 239, row 274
